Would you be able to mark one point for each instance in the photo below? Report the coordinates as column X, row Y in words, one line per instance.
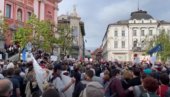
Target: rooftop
column 140, row 14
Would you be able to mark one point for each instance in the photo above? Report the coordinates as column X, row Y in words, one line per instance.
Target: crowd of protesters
column 91, row 79
column 12, row 49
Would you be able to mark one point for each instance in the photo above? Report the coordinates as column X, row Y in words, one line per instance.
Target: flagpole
column 138, row 5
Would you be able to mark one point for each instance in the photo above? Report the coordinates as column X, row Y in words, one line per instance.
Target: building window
column 150, row 21
column 142, row 32
column 150, row 32
column 8, row 11
column 116, row 33
column 135, row 21
column 123, row 44
column 134, row 33
column 19, row 15
column 169, row 31
column 115, row 44
column 123, row 33
column 29, row 15
column 135, row 43
column 75, row 31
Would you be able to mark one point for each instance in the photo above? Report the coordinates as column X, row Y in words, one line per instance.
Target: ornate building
column 127, row 38
column 77, row 32
column 16, row 12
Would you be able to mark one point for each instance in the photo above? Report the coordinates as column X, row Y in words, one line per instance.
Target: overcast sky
column 97, row 14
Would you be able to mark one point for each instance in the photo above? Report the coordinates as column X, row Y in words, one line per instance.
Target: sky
column 97, row 14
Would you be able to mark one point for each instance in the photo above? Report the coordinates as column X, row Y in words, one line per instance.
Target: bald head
column 5, row 87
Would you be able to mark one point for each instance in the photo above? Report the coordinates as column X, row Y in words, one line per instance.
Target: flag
column 157, row 48
column 39, row 73
column 24, row 54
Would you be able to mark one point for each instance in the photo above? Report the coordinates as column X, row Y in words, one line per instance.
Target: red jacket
column 162, row 90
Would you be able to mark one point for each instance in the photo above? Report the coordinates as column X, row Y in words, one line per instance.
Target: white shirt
column 58, row 83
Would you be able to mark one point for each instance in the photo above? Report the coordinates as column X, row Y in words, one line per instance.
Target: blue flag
column 157, row 48
column 24, row 54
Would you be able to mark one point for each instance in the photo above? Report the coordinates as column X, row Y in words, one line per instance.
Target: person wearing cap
column 58, row 83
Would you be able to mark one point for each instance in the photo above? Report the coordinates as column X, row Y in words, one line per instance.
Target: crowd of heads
column 17, row 79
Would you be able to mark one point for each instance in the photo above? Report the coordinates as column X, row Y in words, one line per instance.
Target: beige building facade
column 126, row 38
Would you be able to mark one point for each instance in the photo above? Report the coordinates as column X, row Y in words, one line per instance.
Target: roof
column 138, row 15
column 121, row 22
column 98, row 50
column 163, row 22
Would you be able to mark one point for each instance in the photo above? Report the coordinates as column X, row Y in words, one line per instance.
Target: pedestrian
column 6, row 88
column 15, row 82
column 164, row 90
column 151, row 85
column 115, row 87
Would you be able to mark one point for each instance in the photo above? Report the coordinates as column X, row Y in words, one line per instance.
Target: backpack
column 93, row 89
column 138, row 91
column 148, row 95
column 167, row 94
column 108, row 89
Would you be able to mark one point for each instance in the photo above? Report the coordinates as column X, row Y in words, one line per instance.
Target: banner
column 41, row 78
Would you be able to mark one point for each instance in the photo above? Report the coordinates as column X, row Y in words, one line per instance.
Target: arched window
column 135, row 43
column 150, row 20
column 19, row 15
column 135, row 21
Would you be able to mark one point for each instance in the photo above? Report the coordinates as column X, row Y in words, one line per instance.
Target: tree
column 164, row 39
column 3, row 25
column 43, row 33
column 65, row 38
column 23, row 36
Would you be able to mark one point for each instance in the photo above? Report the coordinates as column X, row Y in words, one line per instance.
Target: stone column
column 56, row 13
column 42, row 10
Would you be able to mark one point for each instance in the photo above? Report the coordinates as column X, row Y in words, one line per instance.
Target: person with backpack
column 106, row 79
column 164, row 90
column 15, row 82
column 91, row 88
column 150, row 85
column 115, row 87
column 80, row 86
column 138, row 90
column 127, row 76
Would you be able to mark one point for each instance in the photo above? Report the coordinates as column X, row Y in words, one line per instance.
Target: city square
column 84, row 48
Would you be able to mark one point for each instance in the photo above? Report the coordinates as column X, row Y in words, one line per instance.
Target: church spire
column 74, row 12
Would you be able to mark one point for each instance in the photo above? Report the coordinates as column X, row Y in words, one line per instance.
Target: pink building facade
column 17, row 12
column 46, row 9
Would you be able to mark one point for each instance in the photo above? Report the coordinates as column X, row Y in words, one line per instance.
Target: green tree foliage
column 43, row 33
column 65, row 38
column 23, row 36
column 164, row 39
column 3, row 25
